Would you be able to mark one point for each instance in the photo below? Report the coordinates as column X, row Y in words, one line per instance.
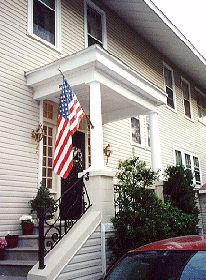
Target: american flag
column 70, row 115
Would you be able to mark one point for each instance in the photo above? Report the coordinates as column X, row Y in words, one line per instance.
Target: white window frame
column 199, row 92
column 165, row 65
column 183, row 152
column 104, row 26
column 57, row 45
column 141, row 121
column 190, row 99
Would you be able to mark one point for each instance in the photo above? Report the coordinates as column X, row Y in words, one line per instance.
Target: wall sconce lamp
column 38, row 133
column 107, row 152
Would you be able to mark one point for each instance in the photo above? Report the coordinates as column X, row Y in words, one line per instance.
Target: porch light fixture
column 107, row 152
column 38, row 133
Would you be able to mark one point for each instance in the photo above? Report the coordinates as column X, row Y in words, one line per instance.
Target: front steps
column 18, row 261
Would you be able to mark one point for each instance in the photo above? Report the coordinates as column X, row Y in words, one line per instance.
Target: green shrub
column 141, row 216
column 179, row 189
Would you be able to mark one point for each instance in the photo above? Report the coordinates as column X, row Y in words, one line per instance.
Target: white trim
column 190, row 100
column 165, row 65
column 57, row 45
column 183, row 152
column 100, row 60
column 104, row 26
column 40, row 152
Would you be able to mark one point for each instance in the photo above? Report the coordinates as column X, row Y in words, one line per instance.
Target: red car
column 179, row 258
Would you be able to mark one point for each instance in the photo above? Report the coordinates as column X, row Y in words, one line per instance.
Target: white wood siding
column 87, row 263
column 19, row 113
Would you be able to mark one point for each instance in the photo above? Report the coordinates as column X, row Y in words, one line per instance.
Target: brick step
column 16, row 268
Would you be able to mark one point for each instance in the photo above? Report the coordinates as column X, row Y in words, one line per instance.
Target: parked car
column 179, row 258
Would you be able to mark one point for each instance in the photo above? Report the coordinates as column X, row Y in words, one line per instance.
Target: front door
column 72, row 201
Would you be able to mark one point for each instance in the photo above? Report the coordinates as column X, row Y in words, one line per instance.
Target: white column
column 97, row 157
column 155, row 142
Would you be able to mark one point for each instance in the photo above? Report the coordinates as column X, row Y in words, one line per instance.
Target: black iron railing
column 70, row 207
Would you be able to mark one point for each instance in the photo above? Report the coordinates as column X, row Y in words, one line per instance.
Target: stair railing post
column 41, row 215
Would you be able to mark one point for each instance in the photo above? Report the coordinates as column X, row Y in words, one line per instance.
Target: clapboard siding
column 117, row 134
column 87, row 262
column 19, row 113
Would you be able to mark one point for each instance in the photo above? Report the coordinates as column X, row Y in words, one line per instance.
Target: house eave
column 145, row 17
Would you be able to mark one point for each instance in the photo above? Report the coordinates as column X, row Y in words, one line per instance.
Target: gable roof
column 145, row 17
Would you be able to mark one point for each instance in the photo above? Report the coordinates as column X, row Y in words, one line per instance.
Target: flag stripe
column 70, row 115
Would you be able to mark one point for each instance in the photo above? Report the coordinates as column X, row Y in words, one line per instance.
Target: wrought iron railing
column 68, row 212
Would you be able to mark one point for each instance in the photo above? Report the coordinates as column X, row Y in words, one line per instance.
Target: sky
column 189, row 17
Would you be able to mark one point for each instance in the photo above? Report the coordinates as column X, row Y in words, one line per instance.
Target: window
column 191, row 162
column 136, row 131
column 95, row 25
column 201, row 104
column 186, row 97
column 44, row 20
column 168, row 79
column 49, row 114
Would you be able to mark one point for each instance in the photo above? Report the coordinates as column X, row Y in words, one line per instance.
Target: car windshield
column 161, row 265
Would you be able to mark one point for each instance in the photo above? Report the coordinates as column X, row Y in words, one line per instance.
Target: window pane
column 178, row 156
column 135, row 126
column 168, row 77
column 170, row 101
column 187, row 108
column 94, row 26
column 185, row 89
column 196, row 170
column 148, row 131
column 43, row 21
column 187, row 161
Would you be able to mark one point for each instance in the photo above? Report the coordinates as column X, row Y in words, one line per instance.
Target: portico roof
column 124, row 92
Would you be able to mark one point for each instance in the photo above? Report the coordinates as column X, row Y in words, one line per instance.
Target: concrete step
column 28, row 241
column 22, row 253
column 16, row 268
column 5, row 277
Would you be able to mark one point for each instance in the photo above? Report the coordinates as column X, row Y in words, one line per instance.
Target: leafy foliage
column 141, row 216
column 44, row 200
column 179, row 189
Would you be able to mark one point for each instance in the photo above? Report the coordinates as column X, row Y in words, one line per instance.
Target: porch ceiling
column 124, row 93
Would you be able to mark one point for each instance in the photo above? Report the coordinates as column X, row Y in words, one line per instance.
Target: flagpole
column 88, row 120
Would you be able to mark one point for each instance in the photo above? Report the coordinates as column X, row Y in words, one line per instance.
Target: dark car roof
column 189, row 242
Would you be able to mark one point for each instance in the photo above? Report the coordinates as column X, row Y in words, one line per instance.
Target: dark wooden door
column 72, row 204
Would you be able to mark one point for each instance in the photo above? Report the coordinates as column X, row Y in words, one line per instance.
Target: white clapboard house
column 141, row 82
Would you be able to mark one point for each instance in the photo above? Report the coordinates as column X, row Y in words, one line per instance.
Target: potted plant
column 44, row 200
column 12, row 240
column 27, row 224
column 3, row 245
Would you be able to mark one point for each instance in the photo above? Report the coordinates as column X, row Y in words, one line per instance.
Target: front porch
column 108, row 90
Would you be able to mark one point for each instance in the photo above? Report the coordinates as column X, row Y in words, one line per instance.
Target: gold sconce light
column 107, row 152
column 38, row 133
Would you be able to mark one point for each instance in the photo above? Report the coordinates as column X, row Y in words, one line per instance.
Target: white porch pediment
column 124, row 92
